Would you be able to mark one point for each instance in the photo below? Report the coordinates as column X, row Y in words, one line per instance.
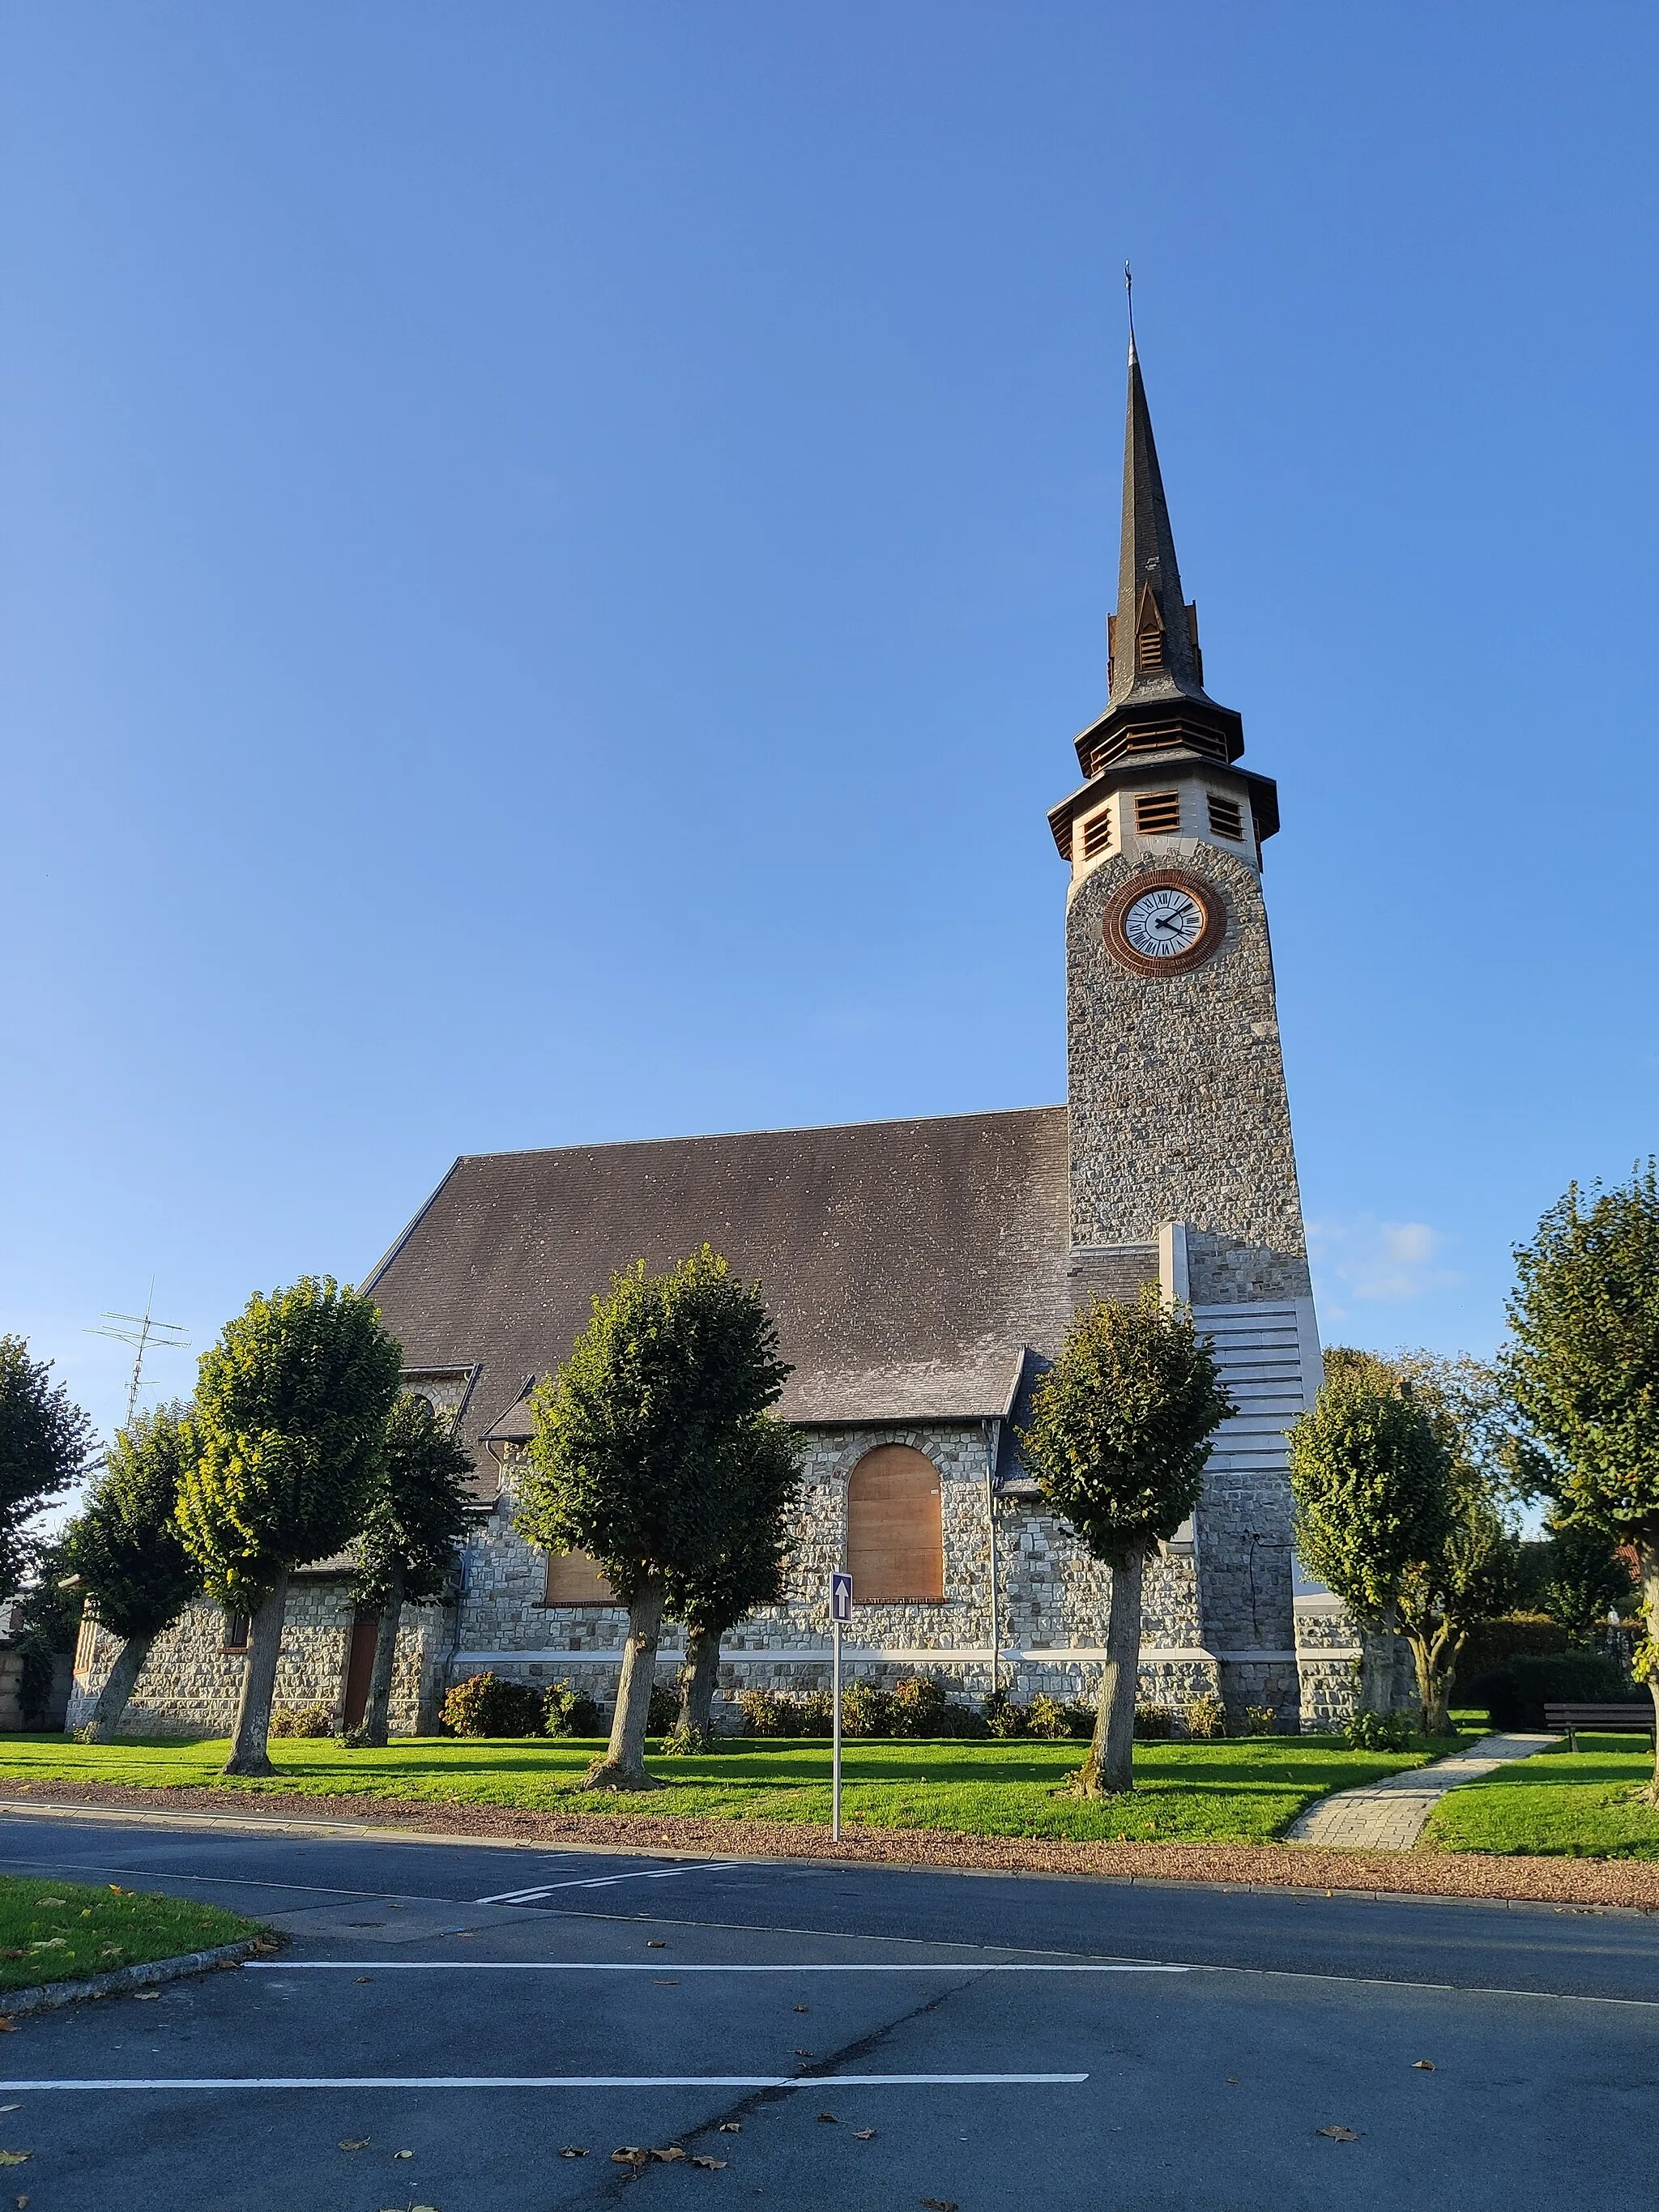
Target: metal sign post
column 840, row 1610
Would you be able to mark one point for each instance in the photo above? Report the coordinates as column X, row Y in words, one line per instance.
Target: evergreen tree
column 643, row 1444
column 127, row 1550
column 1119, row 1439
column 418, row 1512
column 291, row 1410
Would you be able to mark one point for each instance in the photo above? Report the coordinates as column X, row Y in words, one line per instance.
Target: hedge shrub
column 483, row 1705
column 1514, row 1696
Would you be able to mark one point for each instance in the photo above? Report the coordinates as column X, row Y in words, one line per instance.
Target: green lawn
column 55, row 1931
column 1560, row 1804
column 1204, row 1792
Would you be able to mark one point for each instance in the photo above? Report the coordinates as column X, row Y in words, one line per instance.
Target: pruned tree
column 45, row 1440
column 641, row 1446
column 418, row 1512
column 747, row 1570
column 1371, row 1479
column 1584, row 1364
column 127, row 1552
column 1119, row 1439
column 1475, row 1573
column 291, row 1409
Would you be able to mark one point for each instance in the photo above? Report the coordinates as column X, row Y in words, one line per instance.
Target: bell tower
column 1179, row 1123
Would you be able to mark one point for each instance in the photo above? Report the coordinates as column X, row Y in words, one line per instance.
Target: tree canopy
column 1119, row 1439
column 641, row 1438
column 642, row 1445
column 746, row 1573
column 1584, row 1357
column 45, row 1440
column 1121, row 1424
column 291, row 1408
column 127, row 1552
column 125, row 1544
column 418, row 1507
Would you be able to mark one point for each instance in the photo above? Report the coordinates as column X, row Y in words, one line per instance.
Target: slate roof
column 910, row 1264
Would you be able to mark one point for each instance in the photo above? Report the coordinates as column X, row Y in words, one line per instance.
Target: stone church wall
column 1053, row 1600
column 190, row 1684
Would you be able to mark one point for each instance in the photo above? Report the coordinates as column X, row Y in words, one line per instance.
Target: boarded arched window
column 895, row 1535
column 573, row 1579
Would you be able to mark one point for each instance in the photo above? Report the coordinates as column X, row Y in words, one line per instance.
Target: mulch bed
column 1568, row 1883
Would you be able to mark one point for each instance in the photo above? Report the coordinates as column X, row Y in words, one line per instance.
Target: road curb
column 1562, row 1886
column 48, row 1996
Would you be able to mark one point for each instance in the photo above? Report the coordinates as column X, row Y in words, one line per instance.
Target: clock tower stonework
column 1178, row 1120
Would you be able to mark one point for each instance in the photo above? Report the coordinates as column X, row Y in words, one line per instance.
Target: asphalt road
column 988, row 2042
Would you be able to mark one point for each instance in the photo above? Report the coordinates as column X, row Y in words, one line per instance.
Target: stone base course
column 1574, row 1885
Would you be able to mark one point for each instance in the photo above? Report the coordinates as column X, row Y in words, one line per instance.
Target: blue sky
column 552, row 556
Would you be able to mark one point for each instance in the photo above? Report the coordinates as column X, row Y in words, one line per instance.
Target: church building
column 922, row 1275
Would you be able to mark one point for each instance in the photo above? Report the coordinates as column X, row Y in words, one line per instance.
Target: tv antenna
column 144, row 1334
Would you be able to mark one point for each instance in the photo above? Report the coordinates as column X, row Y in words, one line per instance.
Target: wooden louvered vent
column 1226, row 819
column 1097, row 833
column 895, row 1532
column 1157, row 814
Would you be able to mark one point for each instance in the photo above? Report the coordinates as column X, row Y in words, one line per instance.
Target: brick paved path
column 1389, row 1816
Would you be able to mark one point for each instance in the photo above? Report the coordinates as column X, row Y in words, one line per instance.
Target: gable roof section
column 907, row 1263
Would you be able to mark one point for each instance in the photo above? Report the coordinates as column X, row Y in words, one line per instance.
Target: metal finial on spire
column 1129, row 302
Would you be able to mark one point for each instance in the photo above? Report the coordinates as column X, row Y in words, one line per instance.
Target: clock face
column 1162, row 924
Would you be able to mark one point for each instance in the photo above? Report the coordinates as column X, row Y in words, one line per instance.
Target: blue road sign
column 841, row 1597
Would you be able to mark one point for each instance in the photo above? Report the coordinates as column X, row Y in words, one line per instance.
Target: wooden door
column 360, row 1667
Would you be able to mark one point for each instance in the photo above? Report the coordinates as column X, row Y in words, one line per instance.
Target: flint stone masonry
column 190, row 1684
column 1176, row 1096
column 1054, row 1599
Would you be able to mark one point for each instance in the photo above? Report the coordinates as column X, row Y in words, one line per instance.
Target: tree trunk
column 113, row 1698
column 623, row 1766
column 1110, row 1763
column 698, row 1675
column 248, row 1754
column 1377, row 1665
column 376, row 1723
column 1647, row 1554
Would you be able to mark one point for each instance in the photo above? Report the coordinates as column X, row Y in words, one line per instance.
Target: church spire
column 1154, row 632
column 1156, row 702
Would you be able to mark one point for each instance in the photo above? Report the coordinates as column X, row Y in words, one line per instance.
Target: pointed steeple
column 1155, row 633
column 1157, row 702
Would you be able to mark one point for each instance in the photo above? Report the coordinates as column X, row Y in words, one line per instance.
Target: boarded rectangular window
column 1097, row 834
column 1226, row 819
column 573, row 1579
column 1157, row 814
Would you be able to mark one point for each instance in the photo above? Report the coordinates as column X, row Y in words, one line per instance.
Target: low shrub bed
column 55, row 1931
column 484, row 1705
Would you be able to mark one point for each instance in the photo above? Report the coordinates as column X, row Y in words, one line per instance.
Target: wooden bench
column 1600, row 1720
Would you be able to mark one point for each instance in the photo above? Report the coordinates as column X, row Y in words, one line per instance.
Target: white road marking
column 677, row 1966
column 603, row 1881
column 819, row 2082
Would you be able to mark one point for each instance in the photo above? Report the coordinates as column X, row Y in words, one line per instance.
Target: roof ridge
column 723, row 1136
